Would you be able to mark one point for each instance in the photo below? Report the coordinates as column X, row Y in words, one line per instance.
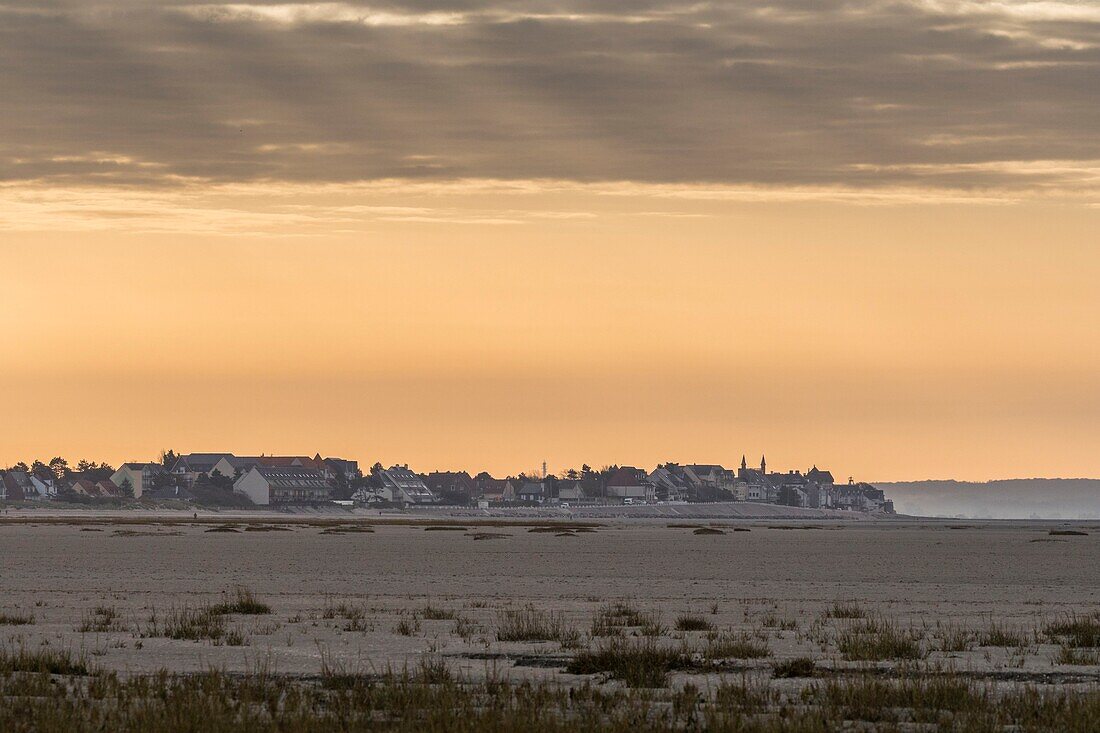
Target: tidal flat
column 300, row 624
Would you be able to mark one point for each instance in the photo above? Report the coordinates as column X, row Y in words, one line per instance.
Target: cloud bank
column 926, row 95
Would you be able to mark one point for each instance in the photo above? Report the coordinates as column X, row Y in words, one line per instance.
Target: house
column 451, row 485
column 316, row 463
column 341, row 466
column 571, row 491
column 16, row 486
column 862, row 497
column 84, row 487
column 628, row 482
column 533, row 492
column 669, row 482
column 189, row 467
column 108, row 489
column 44, row 482
column 139, row 475
column 266, row 485
column 709, row 481
column 488, row 488
column 402, row 485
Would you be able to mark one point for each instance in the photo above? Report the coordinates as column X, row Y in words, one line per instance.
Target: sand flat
column 916, row 574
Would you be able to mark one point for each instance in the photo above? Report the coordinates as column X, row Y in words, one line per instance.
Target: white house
column 266, row 485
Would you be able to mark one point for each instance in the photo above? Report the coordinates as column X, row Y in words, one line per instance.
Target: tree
column 126, row 487
column 168, row 459
column 84, row 465
column 59, row 466
column 19, row 467
column 220, row 481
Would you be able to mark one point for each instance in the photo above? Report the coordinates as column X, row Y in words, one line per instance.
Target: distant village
column 225, row 479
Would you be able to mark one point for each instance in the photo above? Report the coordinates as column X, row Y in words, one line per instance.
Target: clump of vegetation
column 878, row 642
column 847, row 611
column 999, row 635
column 43, row 660
column 1068, row 533
column 101, row 619
column 532, row 624
column 741, row 646
column 16, row 619
column 407, row 625
column 242, row 602
column 613, row 618
column 707, row 530
column 1076, row 631
column 444, row 528
column 954, row 639
column 195, row 624
column 434, row 613
column 1073, row 655
column 775, row 621
column 693, row 623
column 645, row 664
column 792, row 668
column 490, row 536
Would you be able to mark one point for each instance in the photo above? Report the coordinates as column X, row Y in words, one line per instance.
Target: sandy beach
column 378, row 595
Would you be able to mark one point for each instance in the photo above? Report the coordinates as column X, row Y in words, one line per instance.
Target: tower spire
column 744, row 464
column 763, row 464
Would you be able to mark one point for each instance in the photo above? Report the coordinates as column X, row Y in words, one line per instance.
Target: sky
column 862, row 235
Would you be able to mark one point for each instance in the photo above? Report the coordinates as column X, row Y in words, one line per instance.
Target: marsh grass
column 612, row 619
column 794, row 668
column 434, row 613
column 16, row 619
column 1076, row 631
column 693, row 623
column 638, row 664
column 1001, row 635
column 1074, row 655
column 847, row 611
column 740, row 646
column 532, row 624
column 101, row 619
column 954, row 639
column 203, row 623
column 54, row 692
column 242, row 602
column 772, row 620
column 879, row 641
column 43, row 660
column 407, row 625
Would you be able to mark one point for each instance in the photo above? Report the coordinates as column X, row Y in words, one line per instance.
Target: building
column 189, row 467
column 140, row 475
column 670, row 483
column 266, row 485
column 709, row 481
column 343, row 467
column 627, row 482
column 531, row 492
column 402, row 485
column 454, row 486
column 571, row 491
column 488, row 488
column 16, row 486
column 108, row 489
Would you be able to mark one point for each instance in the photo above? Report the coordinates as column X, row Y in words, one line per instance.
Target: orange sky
column 489, row 233
column 893, row 341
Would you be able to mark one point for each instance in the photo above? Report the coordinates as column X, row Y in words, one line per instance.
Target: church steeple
column 744, row 464
column 763, row 464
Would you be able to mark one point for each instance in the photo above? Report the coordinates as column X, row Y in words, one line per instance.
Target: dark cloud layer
column 926, row 93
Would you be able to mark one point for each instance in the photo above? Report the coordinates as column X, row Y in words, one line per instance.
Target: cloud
column 804, row 95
